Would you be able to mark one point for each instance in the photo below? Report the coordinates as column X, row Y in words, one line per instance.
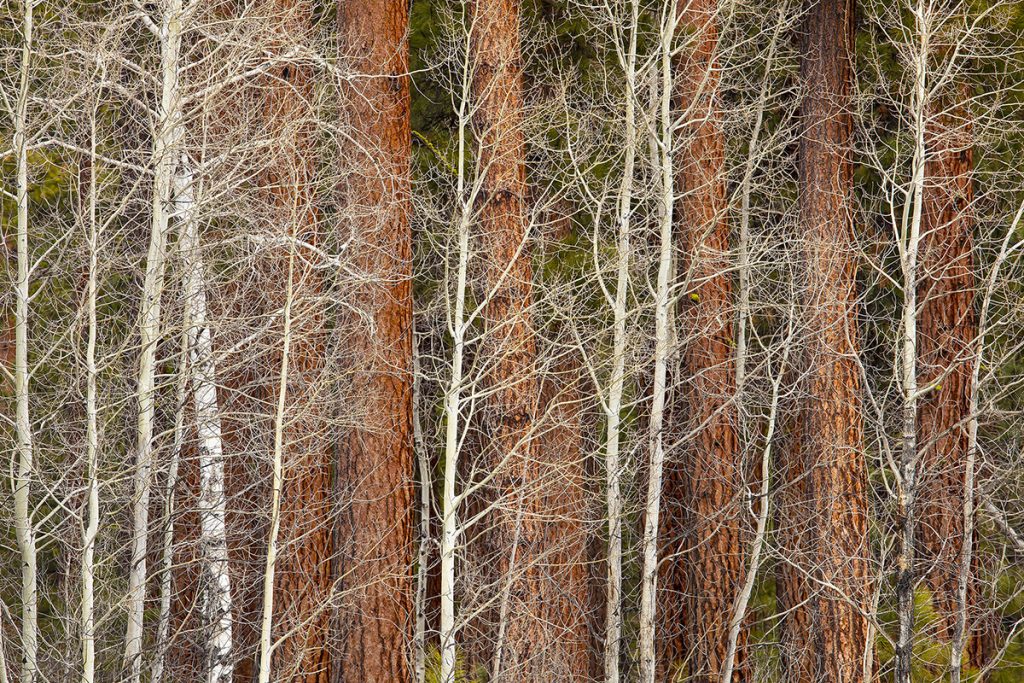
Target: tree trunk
column 166, row 143
column 302, row 582
column 24, row 524
column 703, row 489
column 824, row 513
column 947, row 330
column 662, row 351
column 377, row 462
column 510, row 528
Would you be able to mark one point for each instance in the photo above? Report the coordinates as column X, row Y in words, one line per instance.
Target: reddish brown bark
column 703, row 522
column 302, row 581
column 824, row 504
column 376, row 463
column 947, row 330
column 513, row 527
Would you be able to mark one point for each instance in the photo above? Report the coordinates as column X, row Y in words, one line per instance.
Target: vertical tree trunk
column 704, row 489
column 662, row 351
column 24, row 526
column 510, row 528
column 824, row 517
column 302, row 582
column 947, row 330
column 613, row 407
column 166, row 142
column 217, row 608
column 377, row 462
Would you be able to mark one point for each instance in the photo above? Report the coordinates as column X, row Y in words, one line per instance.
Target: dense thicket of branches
column 511, row 340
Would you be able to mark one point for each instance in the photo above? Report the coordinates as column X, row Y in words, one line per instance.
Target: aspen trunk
column 92, row 522
column 704, row 489
column 24, row 526
column 377, row 462
column 662, row 351
column 165, row 153
column 910, row 239
column 613, row 413
column 823, row 515
column 216, row 582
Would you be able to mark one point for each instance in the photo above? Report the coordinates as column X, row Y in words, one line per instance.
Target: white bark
column 907, row 482
column 167, row 552
column 166, row 141
column 217, row 607
column 423, row 461
column 662, row 343
column 267, row 617
column 739, row 610
column 613, row 468
column 88, row 623
column 24, row 526
column 959, row 639
column 453, row 406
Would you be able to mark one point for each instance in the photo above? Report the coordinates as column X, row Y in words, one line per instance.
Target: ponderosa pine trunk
column 507, row 647
column 376, row 462
column 703, row 489
column 824, row 584
column 947, row 332
column 302, row 577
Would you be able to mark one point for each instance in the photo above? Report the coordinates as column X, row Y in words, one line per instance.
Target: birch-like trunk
column 267, row 615
column 167, row 139
column 742, row 602
column 452, row 409
column 167, row 551
column 959, row 639
column 613, row 468
column 216, row 599
column 92, row 523
column 24, row 526
column 662, row 339
column 907, row 483
column 423, row 556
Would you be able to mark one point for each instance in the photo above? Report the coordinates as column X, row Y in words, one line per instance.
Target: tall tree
column 301, row 571
column 703, row 529
column 510, row 637
column 824, row 586
column 377, row 462
column 947, row 330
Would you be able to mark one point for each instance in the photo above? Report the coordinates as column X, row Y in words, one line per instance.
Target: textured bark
column 376, row 463
column 302, row 581
column 947, row 329
column 703, row 526
column 511, row 528
column 568, row 609
column 824, row 513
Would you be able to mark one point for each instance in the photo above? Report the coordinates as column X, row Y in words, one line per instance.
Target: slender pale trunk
column 267, row 615
column 613, row 468
column 92, row 485
column 965, row 560
column 907, row 483
column 739, row 609
column 452, row 408
column 216, row 600
column 662, row 339
column 24, row 526
column 423, row 555
column 163, row 628
column 165, row 144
